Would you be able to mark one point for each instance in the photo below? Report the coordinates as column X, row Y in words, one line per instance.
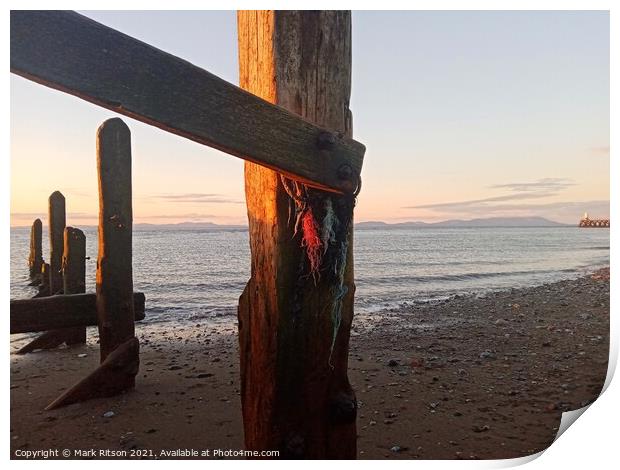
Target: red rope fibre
column 311, row 241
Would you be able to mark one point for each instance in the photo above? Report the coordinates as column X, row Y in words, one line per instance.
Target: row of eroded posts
column 65, row 274
column 62, row 301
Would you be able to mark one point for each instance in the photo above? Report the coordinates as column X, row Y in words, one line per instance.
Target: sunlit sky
column 464, row 115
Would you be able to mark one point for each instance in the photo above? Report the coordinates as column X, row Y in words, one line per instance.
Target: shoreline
column 479, row 376
column 227, row 316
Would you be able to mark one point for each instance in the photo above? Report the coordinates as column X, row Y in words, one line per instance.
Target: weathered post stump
column 35, row 259
column 57, row 222
column 74, row 275
column 115, row 307
column 295, row 313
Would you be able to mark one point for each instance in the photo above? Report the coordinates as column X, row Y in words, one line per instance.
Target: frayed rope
column 311, row 242
column 316, row 239
column 330, row 223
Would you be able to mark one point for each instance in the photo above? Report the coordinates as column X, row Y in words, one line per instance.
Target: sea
column 198, row 274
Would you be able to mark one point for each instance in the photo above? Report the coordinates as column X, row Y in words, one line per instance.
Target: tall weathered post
column 35, row 259
column 74, row 275
column 57, row 222
column 115, row 304
column 114, row 269
column 295, row 313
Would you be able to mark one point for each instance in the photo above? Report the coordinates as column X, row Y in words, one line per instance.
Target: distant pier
column 586, row 222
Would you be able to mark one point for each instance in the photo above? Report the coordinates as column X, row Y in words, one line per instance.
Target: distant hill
column 485, row 222
column 371, row 225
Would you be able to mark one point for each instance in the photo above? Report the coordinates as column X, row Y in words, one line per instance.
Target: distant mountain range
column 372, row 225
column 487, row 222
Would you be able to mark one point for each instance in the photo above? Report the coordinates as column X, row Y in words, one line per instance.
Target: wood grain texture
column 57, row 221
column 74, row 54
column 292, row 399
column 60, row 311
column 114, row 268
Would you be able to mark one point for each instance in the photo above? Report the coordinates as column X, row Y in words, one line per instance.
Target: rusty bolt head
column 326, row 140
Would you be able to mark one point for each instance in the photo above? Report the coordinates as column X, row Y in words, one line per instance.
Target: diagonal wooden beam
column 76, row 55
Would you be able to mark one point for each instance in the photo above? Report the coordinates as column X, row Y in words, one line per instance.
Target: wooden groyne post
column 35, row 259
column 114, row 269
column 294, row 327
column 119, row 348
column 57, row 221
column 74, row 275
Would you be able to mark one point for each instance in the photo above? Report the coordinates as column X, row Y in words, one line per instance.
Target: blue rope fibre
column 330, row 223
column 338, row 291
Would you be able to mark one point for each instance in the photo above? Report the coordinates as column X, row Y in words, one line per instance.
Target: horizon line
column 370, row 221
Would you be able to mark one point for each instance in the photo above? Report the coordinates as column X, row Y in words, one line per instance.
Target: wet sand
column 482, row 376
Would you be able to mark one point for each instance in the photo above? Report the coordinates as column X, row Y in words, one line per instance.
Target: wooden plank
column 71, row 53
column 295, row 391
column 60, row 311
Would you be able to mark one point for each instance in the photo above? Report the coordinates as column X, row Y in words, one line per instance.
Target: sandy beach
column 474, row 377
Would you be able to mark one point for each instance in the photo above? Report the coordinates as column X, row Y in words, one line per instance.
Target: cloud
column 546, row 184
column 208, row 198
column 521, row 200
column 481, row 202
column 596, row 208
column 539, row 189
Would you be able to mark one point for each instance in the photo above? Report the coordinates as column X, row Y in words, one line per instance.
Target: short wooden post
column 294, row 326
column 74, row 275
column 35, row 259
column 115, row 307
column 57, row 222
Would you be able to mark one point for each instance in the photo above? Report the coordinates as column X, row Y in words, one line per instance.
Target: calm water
column 200, row 274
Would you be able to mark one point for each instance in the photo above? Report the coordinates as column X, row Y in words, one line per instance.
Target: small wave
column 457, row 277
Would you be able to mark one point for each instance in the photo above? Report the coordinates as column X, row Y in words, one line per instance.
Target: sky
column 463, row 115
